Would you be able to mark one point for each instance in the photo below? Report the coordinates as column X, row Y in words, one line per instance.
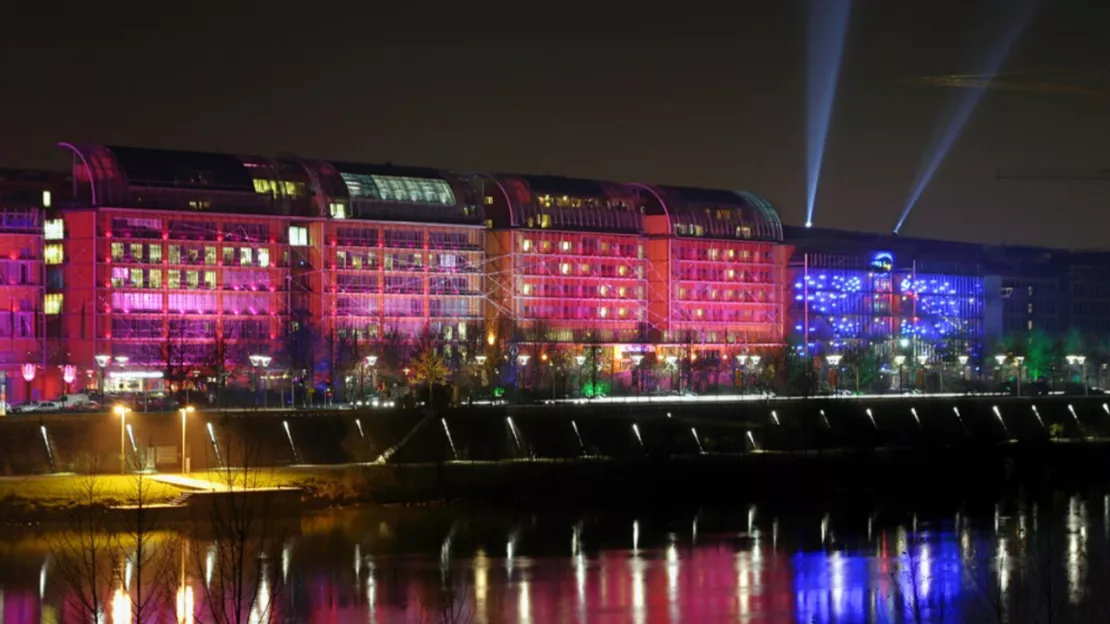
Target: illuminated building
column 400, row 251
column 718, row 267
column 567, row 259
column 177, row 263
column 892, row 295
column 24, row 311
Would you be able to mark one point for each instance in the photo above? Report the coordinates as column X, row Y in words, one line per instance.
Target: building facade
column 160, row 269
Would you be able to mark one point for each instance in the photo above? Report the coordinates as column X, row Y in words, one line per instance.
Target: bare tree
column 147, row 551
column 236, row 539
column 84, row 558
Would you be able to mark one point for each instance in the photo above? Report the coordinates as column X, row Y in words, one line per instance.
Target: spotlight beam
column 828, row 24
column 965, row 102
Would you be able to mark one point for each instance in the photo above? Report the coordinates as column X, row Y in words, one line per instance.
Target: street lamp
column 636, row 359
column 962, row 359
column 1081, row 362
column 259, row 362
column 755, row 359
column 102, row 362
column 121, row 411
column 833, row 360
column 900, row 361
column 1019, row 360
column 185, row 411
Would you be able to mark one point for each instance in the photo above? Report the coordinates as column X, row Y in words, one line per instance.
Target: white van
column 71, row 401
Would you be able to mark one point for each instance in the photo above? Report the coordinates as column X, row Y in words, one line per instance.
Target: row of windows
column 183, row 254
column 593, row 269
column 707, row 293
column 716, row 254
column 582, row 246
column 709, row 274
column 187, row 303
column 582, row 312
column 724, row 315
column 574, row 291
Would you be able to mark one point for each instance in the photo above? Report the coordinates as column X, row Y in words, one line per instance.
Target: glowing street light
column 833, row 360
column 481, row 359
column 523, row 359
column 260, row 362
column 184, row 411
column 121, row 411
column 755, row 359
column 1000, row 358
column 580, row 360
column 900, row 361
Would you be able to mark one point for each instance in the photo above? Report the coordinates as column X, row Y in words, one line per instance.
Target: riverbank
column 942, row 475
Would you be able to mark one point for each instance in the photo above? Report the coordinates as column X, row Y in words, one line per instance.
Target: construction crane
column 1071, row 81
column 1041, row 173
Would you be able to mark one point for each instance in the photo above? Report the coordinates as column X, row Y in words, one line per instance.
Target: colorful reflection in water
column 741, row 566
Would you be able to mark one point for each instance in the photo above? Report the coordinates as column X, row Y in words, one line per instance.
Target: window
column 47, row 199
column 117, row 251
column 52, row 304
column 263, row 257
column 53, row 253
column 298, row 236
column 173, row 279
column 154, row 279
column 245, row 256
column 136, row 251
column 52, row 229
column 338, row 210
column 209, row 255
column 175, row 254
column 399, row 189
column 154, row 253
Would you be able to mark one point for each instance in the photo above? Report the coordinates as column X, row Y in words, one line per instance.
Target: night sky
column 706, row 94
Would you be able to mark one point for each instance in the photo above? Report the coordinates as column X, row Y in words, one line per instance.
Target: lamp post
column 522, row 359
column 1081, row 362
column 28, row 370
column 69, row 375
column 121, row 411
column 922, row 360
column 1019, row 360
column 833, row 360
column 900, row 361
column 372, row 362
column 676, row 380
column 637, row 358
column 741, row 361
column 963, row 365
column 259, row 362
column 1000, row 359
column 185, row 411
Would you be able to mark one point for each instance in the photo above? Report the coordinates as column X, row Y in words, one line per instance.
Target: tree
column 236, row 540
column 429, row 368
column 84, row 557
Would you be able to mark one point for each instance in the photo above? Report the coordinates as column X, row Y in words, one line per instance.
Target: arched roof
column 710, row 213
column 392, row 192
column 175, row 179
column 559, row 203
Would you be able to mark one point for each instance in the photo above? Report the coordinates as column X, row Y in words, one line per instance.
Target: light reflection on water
column 715, row 567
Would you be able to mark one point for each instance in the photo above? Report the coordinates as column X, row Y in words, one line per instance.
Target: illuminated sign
column 882, row 262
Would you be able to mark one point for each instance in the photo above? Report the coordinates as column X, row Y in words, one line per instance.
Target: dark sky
column 707, row 94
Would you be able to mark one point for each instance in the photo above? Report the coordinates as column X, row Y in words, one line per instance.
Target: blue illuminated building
column 890, row 295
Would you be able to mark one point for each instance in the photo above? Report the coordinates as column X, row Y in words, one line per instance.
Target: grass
column 59, row 491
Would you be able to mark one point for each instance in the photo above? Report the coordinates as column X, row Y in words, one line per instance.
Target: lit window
column 54, row 229
column 713, row 254
column 545, row 220
column 621, row 291
column 700, row 312
column 621, row 312
column 298, row 236
column 47, row 199
column 731, row 273
column 566, row 245
column 527, row 289
column 603, row 312
column 154, row 252
column 585, row 268
column 338, row 210
column 53, row 253
column 526, row 245
column 604, row 290
column 1030, row 325
column 622, row 270
column 489, row 200
column 263, row 257
column 564, row 268
column 52, row 304
column 245, row 256
column 117, row 251
column 731, row 253
column 155, row 279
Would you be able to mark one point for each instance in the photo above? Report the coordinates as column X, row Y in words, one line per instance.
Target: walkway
column 188, row 483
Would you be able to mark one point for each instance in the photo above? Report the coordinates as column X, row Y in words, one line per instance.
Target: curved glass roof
column 711, row 213
column 558, row 203
column 391, row 192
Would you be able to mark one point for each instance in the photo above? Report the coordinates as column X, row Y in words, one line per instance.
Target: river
column 1016, row 561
